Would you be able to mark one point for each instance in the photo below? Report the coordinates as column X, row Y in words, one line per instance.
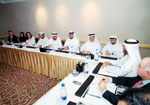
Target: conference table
column 52, row 97
column 55, row 65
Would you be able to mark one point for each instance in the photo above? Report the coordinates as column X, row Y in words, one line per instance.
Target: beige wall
column 124, row 18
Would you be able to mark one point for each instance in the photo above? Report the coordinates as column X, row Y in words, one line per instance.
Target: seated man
column 113, row 48
column 91, row 46
column 72, row 42
column 42, row 41
column 140, row 81
column 127, row 66
column 54, row 42
column 135, row 96
column 12, row 38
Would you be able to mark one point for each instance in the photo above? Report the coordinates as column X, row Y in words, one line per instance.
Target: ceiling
column 10, row 1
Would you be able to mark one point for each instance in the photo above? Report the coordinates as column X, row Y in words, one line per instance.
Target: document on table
column 94, row 95
column 106, row 71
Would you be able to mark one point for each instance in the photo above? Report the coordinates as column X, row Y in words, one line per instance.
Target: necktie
column 138, row 84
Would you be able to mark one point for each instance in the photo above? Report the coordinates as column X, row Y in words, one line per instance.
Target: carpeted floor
column 22, row 87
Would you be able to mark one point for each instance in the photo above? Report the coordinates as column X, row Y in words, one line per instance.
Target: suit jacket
column 14, row 39
column 125, row 81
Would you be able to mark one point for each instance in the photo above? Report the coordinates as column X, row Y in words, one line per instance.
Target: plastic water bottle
column 71, row 49
column 63, row 92
column 52, row 47
column 86, row 68
column 3, row 42
column 96, row 55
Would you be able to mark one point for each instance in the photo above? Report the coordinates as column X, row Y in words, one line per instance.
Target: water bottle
column 3, row 42
column 63, row 92
column 86, row 68
column 52, row 47
column 96, row 55
column 23, row 44
column 71, row 49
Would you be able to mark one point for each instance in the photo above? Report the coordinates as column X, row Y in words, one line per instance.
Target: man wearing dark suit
column 11, row 37
column 135, row 96
column 140, row 81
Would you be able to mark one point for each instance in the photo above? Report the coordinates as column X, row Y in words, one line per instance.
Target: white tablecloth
column 52, row 96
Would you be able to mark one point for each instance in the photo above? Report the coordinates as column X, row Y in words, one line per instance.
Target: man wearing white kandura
column 54, row 42
column 72, row 42
column 127, row 66
column 113, row 48
column 42, row 41
column 91, row 45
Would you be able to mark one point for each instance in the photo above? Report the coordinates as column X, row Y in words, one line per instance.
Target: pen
column 94, row 95
column 115, row 65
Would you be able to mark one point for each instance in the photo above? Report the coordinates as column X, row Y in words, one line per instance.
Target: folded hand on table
column 66, row 48
column 105, row 64
column 48, row 47
column 40, row 46
column 107, row 53
column 86, row 52
column 102, row 86
column 102, row 83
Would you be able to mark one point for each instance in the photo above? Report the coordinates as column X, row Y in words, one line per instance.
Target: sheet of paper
column 93, row 95
column 106, row 71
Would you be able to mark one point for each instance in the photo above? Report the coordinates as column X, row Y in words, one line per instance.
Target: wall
column 124, row 18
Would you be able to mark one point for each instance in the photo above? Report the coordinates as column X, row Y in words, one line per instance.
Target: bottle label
column 64, row 98
column 96, row 59
column 86, row 72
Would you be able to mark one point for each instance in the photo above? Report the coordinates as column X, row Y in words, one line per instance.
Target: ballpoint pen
column 94, row 95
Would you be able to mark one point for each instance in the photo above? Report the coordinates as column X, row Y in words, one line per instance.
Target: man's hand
column 88, row 52
column 84, row 52
column 66, row 48
column 105, row 64
column 102, row 86
column 40, row 46
column 104, row 79
column 48, row 47
column 107, row 53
